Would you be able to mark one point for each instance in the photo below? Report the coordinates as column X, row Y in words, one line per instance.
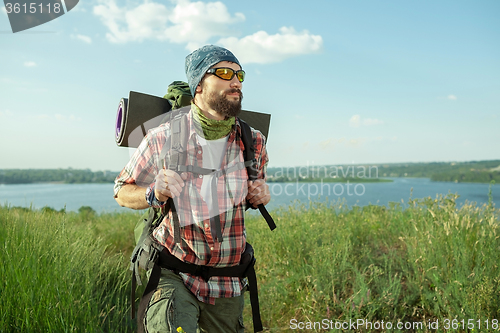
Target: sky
column 345, row 81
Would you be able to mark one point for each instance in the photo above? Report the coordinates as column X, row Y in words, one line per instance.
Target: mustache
column 232, row 91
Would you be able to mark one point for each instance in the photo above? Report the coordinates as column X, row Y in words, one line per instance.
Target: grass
column 68, row 272
column 61, row 272
column 426, row 262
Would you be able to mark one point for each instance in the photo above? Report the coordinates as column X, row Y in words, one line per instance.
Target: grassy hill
column 64, row 272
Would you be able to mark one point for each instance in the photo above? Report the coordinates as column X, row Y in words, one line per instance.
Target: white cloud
column 452, row 97
column 264, row 48
column 356, row 142
column 328, row 144
column 83, row 38
column 29, row 64
column 195, row 23
column 370, row 122
column 198, row 23
column 191, row 23
column 5, row 113
column 7, row 80
column 355, row 121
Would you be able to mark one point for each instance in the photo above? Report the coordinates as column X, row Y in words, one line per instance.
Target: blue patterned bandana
column 200, row 60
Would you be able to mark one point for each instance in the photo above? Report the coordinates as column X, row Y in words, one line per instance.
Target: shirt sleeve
column 259, row 142
column 142, row 168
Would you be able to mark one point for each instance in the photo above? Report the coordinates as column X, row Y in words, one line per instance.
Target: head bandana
column 200, row 60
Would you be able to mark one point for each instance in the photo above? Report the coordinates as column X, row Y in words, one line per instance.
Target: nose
column 235, row 83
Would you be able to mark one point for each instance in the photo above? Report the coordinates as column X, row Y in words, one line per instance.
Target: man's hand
column 169, row 184
column 258, row 192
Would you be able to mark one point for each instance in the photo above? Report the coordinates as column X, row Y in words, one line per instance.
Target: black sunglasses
column 227, row 73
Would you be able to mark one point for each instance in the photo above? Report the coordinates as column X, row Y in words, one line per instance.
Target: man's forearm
column 132, row 196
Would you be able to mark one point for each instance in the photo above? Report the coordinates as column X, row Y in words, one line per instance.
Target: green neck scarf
column 213, row 129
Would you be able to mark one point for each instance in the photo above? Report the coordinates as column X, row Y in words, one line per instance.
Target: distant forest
column 474, row 172
column 28, row 176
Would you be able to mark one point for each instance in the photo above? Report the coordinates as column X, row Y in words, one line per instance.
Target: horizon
column 281, row 167
column 345, row 82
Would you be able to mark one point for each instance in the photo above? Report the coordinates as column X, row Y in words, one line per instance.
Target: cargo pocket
column 160, row 313
column 241, row 327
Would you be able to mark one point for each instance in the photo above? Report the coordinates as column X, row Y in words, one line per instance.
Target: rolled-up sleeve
column 142, row 167
column 259, row 142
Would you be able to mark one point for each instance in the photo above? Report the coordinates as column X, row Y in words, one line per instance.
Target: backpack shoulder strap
column 251, row 165
column 178, row 146
column 249, row 153
column 178, row 138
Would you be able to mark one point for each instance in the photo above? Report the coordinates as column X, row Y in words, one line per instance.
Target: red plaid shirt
column 197, row 245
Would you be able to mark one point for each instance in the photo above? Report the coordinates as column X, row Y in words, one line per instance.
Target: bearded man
column 209, row 207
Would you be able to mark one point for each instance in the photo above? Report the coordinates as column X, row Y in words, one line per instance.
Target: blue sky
column 345, row 81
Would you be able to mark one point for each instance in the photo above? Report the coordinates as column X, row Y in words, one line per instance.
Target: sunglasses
column 226, row 73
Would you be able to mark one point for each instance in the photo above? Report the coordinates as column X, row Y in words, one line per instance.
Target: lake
column 100, row 196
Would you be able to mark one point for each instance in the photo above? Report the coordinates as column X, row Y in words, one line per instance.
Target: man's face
column 221, row 95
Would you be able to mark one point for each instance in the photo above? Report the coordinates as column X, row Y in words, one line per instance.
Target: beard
column 224, row 106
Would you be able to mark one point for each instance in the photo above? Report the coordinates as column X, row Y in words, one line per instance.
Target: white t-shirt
column 213, row 153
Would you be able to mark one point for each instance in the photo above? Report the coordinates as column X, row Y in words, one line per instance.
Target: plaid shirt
column 197, row 245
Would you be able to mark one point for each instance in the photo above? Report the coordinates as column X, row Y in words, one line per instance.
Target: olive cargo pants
column 173, row 305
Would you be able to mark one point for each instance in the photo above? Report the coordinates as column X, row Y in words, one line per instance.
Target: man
column 210, row 207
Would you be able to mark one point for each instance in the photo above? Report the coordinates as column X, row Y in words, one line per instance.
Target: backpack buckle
column 203, row 272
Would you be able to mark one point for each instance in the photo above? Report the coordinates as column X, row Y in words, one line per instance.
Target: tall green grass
column 427, row 260
column 57, row 274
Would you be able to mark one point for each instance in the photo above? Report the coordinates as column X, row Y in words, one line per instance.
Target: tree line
column 467, row 177
column 69, row 176
column 472, row 171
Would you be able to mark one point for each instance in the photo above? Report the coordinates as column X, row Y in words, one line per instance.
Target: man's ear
column 198, row 88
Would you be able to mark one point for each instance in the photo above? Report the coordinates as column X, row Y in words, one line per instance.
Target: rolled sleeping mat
column 141, row 112
column 136, row 115
column 120, row 121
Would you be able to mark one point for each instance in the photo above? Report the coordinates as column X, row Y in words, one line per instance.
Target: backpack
column 145, row 254
column 178, row 95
